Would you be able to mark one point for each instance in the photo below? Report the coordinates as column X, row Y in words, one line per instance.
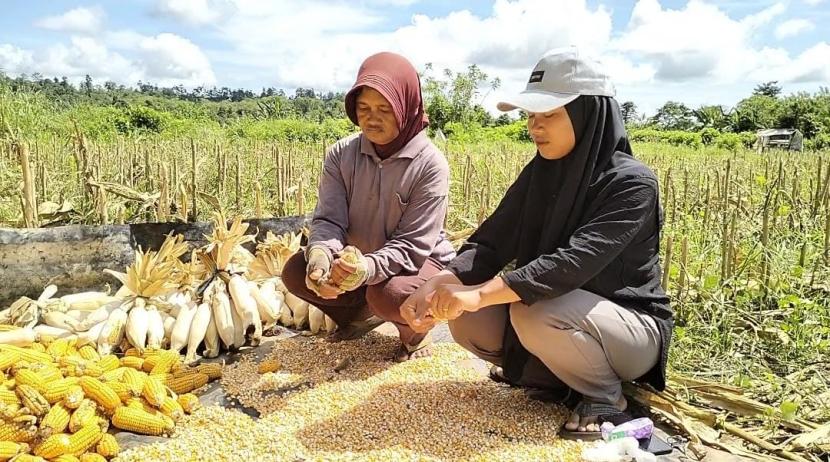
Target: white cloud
column 164, row 59
column 793, row 27
column 194, row 12
column 813, row 2
column 78, row 20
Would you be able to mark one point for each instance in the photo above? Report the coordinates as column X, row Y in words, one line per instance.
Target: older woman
column 583, row 310
column 382, row 200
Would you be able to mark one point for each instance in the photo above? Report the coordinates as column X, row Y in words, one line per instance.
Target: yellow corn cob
column 7, row 359
column 32, row 399
column 17, row 432
column 8, row 397
column 115, row 375
column 66, row 458
column 188, row 383
column 56, row 420
column 189, row 402
column 183, row 371
column 108, row 446
column 59, row 347
column 139, row 421
column 53, row 446
column 85, row 438
column 109, row 363
column 74, row 397
column 92, row 457
column 8, row 327
column 100, row 393
column 212, row 370
column 49, row 374
column 132, row 352
column 134, row 380
column 38, row 347
column 30, row 378
column 122, row 390
column 269, row 365
column 154, row 391
column 150, row 362
column 28, row 458
column 89, row 353
column 27, row 354
column 171, row 408
column 57, row 390
column 9, row 449
column 84, row 414
column 177, row 367
column 165, row 363
column 132, row 361
column 92, row 369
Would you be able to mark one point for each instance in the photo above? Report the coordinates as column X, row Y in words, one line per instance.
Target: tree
column 771, row 89
column 453, row 98
column 712, row 117
column 87, row 85
column 675, row 116
column 629, row 112
column 755, row 113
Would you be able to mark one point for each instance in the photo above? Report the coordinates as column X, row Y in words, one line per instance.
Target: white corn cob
column 168, row 322
column 18, row 337
column 48, row 292
column 89, row 301
column 50, row 331
column 238, row 329
column 330, row 324
column 221, row 307
column 266, row 304
column 113, row 331
column 211, row 340
column 91, row 336
column 60, row 320
column 201, row 318
column 299, row 309
column 137, row 325
column 181, row 328
column 91, row 318
column 316, row 319
column 286, row 316
column 155, row 328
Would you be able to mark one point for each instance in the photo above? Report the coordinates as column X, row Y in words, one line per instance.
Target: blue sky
column 698, row 52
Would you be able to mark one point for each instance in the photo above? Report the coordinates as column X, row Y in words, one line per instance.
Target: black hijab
column 556, row 193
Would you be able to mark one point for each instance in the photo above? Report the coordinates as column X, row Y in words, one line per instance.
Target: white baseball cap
column 559, row 78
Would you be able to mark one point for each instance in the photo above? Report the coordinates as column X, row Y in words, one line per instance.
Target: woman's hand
column 450, row 301
column 415, row 310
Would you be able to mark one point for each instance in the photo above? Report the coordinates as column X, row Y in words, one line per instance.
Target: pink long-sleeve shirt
column 391, row 209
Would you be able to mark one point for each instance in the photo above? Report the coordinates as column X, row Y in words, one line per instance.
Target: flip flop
column 497, row 375
column 602, row 411
column 404, row 352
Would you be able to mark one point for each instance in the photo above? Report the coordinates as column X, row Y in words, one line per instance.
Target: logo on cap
column 536, row 76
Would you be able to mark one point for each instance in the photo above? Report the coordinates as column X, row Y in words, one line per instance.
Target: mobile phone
column 655, row 445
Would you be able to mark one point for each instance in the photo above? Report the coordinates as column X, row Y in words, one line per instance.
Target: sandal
column 602, row 411
column 497, row 375
column 405, row 352
column 354, row 330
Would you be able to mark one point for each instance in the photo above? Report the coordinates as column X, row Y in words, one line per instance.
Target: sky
column 696, row 52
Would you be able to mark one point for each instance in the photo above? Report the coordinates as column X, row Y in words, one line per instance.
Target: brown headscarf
column 392, row 76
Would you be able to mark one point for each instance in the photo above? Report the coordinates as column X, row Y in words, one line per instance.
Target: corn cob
column 32, row 399
column 38, row 347
column 133, row 362
column 100, row 393
column 108, row 446
column 8, row 397
column 7, row 359
column 132, row 351
column 85, row 438
column 30, row 378
column 74, row 397
column 83, row 415
column 56, row 420
column 199, row 329
column 122, row 390
column 188, row 382
column 109, row 363
column 53, row 446
column 164, row 364
column 56, row 391
column 269, row 365
column 9, row 449
column 189, row 402
column 139, row 421
column 48, row 373
column 212, row 370
column 137, row 325
column 155, row 328
column 150, row 362
column 92, row 457
column 171, row 408
column 27, row 354
column 112, row 333
column 89, row 353
column 66, row 458
column 134, row 380
column 154, row 391
column 17, row 432
column 115, row 375
column 28, row 458
column 59, row 347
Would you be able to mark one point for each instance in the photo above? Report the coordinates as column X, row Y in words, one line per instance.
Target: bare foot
column 589, row 423
column 403, row 354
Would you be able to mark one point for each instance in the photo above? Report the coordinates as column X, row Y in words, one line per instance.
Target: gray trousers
column 589, row 343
